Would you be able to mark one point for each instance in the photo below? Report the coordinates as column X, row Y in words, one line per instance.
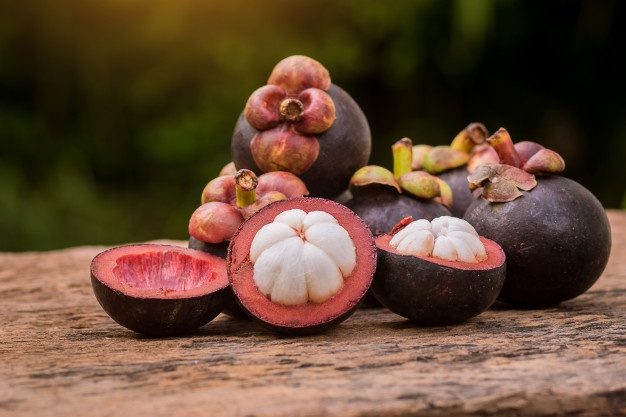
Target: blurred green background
column 115, row 113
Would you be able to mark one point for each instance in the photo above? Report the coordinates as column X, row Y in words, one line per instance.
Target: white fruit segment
column 448, row 238
column 302, row 257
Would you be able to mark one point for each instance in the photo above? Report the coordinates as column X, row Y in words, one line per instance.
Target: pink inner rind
column 310, row 314
column 495, row 255
column 160, row 271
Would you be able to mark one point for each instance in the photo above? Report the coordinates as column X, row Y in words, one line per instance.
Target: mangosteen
column 229, row 199
column 302, row 265
column 382, row 198
column 452, row 163
column 437, row 272
column 302, row 123
column 554, row 231
column 159, row 290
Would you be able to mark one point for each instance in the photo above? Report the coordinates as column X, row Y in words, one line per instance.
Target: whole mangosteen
column 555, row 233
column 437, row 272
column 159, row 290
column 302, row 265
column 302, row 123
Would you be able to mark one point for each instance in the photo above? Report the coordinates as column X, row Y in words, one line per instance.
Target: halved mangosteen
column 301, row 266
column 159, row 290
column 439, row 272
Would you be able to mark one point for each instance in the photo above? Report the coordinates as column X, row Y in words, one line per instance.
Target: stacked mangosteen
column 298, row 230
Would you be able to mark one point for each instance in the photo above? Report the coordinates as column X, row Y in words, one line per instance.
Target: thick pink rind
column 155, row 312
column 311, row 317
column 429, row 291
column 103, row 265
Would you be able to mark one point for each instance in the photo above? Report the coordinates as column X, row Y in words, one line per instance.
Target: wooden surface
column 61, row 355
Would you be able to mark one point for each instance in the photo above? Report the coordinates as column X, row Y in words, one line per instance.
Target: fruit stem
column 291, row 110
column 245, row 186
column 473, row 134
column 402, row 152
column 503, row 145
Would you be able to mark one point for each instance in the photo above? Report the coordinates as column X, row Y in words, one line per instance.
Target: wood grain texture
column 63, row 356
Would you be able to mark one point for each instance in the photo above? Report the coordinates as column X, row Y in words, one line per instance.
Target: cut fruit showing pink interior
column 302, row 264
column 159, row 290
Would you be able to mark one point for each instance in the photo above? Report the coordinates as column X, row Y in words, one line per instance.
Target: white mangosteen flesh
column 302, row 257
column 448, row 238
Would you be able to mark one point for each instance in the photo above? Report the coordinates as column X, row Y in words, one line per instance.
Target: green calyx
column 444, row 158
column 403, row 179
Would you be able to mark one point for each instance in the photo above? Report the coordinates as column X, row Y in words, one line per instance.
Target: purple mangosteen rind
column 462, row 195
column 382, row 208
column 430, row 291
column 216, row 249
column 312, row 317
column 158, row 312
column 557, row 239
column 343, row 148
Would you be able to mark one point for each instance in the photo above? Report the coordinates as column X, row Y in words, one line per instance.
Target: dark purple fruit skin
column 462, row 197
column 217, row 249
column 159, row 317
column 557, row 240
column 231, row 306
column 431, row 294
column 383, row 207
column 344, row 148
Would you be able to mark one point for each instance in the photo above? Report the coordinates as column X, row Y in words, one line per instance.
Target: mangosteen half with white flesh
column 302, row 265
column 437, row 272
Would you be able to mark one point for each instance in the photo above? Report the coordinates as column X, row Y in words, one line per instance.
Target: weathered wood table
column 61, row 355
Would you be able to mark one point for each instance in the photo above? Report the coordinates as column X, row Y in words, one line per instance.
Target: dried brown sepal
column 419, row 152
column 501, row 183
column 420, row 184
column 444, row 158
column 545, row 161
column 374, row 175
column 473, row 134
